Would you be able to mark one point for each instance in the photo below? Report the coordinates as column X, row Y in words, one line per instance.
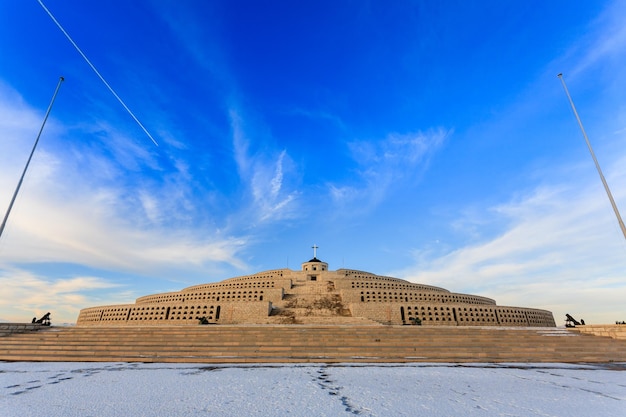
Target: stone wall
column 213, row 292
column 175, row 313
column 432, row 314
column 361, row 279
column 7, row 329
column 409, row 296
column 615, row 331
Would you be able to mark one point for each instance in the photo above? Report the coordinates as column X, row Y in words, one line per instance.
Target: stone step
column 314, row 331
column 358, row 333
column 309, row 343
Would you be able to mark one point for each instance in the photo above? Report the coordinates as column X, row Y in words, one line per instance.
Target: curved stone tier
column 314, row 295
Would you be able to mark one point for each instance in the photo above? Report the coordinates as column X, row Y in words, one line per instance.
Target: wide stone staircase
column 308, row 343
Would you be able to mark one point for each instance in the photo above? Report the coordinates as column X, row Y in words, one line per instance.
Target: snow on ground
column 130, row 389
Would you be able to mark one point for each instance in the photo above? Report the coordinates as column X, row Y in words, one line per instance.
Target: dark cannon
column 203, row 320
column 44, row 320
column 572, row 322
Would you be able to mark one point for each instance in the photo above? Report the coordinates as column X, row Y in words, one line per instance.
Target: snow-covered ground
column 129, row 389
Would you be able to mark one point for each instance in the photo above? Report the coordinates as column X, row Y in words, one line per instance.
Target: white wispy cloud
column 392, row 163
column 606, row 40
column 240, row 144
column 274, row 202
column 267, row 175
column 92, row 230
column 26, row 294
column 333, row 119
column 198, row 36
column 559, row 246
column 559, row 249
column 19, row 123
column 78, row 205
column 91, row 204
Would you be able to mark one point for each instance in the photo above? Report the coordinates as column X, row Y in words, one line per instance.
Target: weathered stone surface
column 309, row 343
column 12, row 328
column 314, row 295
column 615, row 331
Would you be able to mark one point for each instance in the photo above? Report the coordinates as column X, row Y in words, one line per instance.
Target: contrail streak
column 97, row 73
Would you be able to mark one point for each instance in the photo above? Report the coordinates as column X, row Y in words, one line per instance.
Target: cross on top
column 315, row 247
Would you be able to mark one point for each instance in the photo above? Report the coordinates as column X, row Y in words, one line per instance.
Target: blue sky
column 430, row 141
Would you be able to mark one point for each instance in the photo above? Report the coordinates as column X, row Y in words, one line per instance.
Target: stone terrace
column 309, row 343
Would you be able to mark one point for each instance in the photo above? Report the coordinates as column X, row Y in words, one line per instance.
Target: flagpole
column 19, row 184
column 593, row 155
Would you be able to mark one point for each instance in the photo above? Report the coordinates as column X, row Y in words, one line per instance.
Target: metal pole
column 593, row 155
column 19, row 184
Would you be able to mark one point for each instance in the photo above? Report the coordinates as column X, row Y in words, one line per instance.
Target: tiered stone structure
column 310, row 343
column 314, row 295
